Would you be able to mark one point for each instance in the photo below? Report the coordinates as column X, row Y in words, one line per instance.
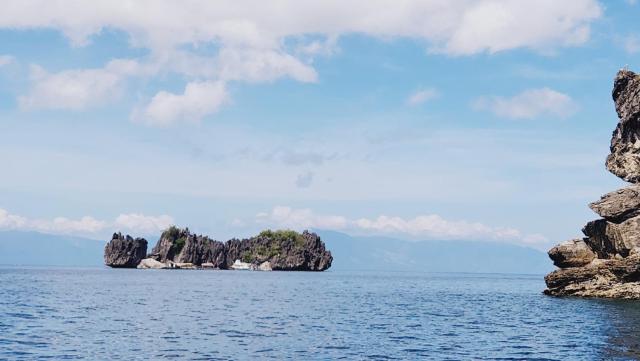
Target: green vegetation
column 174, row 234
column 178, row 244
column 246, row 257
column 283, row 235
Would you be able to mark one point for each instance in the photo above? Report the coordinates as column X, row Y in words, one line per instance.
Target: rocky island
column 177, row 248
column 606, row 262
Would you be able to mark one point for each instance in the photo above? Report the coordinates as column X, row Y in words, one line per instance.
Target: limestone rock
column 180, row 246
column 241, row 266
column 150, row 263
column 285, row 251
column 185, row 265
column 282, row 250
column 624, row 160
column 265, row 266
column 613, row 240
column 615, row 278
column 124, row 251
column 619, row 205
column 573, row 253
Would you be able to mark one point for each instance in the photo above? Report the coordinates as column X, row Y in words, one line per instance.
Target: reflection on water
column 225, row 315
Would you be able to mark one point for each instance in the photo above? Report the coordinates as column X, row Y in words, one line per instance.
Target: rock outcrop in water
column 281, row 250
column 284, row 250
column 181, row 246
column 124, row 251
column 606, row 263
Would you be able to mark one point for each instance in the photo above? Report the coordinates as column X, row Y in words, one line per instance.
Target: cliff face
column 270, row 250
column 124, row 251
column 606, row 263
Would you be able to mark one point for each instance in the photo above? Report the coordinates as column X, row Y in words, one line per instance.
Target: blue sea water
column 119, row 314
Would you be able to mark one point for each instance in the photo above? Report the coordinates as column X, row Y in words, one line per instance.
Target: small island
column 177, row 248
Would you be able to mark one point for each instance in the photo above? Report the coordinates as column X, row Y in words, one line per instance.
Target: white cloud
column 495, row 26
column 422, row 96
column 77, row 89
column 420, row 227
column 261, row 65
column 266, row 40
column 529, row 104
column 301, row 218
column 460, row 27
column 68, row 226
column 145, row 224
column 198, row 100
column 6, row 60
column 134, row 222
column 11, row 221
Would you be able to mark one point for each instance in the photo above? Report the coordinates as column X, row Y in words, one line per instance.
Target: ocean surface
column 117, row 314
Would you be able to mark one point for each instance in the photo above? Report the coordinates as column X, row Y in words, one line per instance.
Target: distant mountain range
column 349, row 252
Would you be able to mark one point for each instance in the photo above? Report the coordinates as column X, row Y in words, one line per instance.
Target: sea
column 128, row 314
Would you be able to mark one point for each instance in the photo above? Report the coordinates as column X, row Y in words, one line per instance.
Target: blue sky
column 483, row 120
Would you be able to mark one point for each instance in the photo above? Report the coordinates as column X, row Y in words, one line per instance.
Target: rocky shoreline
column 177, row 248
column 606, row 262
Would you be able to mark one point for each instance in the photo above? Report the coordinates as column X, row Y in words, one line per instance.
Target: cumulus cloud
column 529, row 104
column 85, row 225
column 262, row 65
column 198, row 100
column 11, row 221
column 460, row 27
column 68, row 226
column 77, row 89
column 258, row 41
column 141, row 223
column 300, row 218
column 423, row 226
column 422, row 96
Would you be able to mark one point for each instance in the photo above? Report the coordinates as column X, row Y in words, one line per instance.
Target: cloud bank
column 420, row 227
column 261, row 42
column 133, row 222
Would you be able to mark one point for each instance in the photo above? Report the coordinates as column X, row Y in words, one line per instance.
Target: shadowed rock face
column 124, row 251
column 624, row 160
column 613, row 242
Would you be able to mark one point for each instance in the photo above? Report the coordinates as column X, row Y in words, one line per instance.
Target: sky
column 480, row 120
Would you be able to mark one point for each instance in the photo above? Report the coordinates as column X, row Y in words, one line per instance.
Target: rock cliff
column 281, row 250
column 124, row 251
column 606, row 262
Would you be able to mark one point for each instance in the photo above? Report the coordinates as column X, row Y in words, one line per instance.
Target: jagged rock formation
column 180, row 246
column 284, row 250
column 271, row 250
column 607, row 262
column 124, row 251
